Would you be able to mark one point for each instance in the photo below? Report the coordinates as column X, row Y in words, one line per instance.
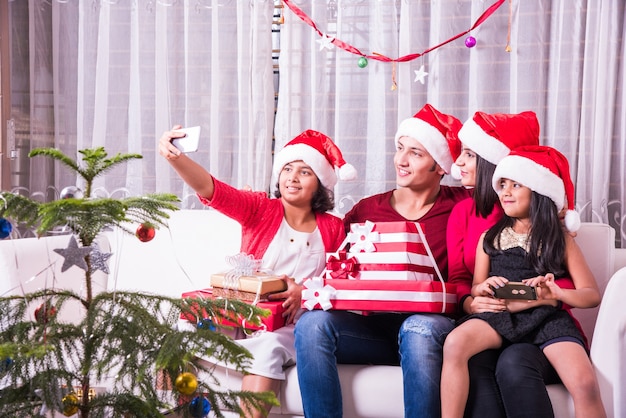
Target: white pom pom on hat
column 320, row 153
column 545, row 171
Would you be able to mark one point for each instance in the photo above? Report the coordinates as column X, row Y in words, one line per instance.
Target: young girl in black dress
column 529, row 245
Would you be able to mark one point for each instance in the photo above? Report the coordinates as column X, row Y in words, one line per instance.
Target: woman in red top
column 290, row 234
column 494, row 381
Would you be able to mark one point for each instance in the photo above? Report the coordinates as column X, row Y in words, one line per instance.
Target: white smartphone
column 189, row 142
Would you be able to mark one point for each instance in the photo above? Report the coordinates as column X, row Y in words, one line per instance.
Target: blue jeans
column 325, row 339
column 421, row 356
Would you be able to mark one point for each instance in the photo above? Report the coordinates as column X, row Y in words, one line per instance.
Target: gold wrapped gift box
column 247, row 288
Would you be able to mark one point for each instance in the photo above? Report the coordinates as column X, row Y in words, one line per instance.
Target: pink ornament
column 470, row 42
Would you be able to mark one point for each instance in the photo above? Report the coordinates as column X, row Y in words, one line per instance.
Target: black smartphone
column 515, row 290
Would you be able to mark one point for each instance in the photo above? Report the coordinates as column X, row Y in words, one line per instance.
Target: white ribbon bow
column 362, row 238
column 315, row 292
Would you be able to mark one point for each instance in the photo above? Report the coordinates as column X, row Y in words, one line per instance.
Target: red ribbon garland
column 379, row 57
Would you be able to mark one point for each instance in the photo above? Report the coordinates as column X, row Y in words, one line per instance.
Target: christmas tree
column 128, row 340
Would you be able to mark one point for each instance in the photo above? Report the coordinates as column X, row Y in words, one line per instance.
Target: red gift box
column 384, row 251
column 379, row 295
column 270, row 323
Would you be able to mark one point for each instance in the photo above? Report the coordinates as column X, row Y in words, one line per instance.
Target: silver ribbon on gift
column 242, row 265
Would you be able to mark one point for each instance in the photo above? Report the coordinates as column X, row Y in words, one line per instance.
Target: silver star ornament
column 99, row 259
column 74, row 255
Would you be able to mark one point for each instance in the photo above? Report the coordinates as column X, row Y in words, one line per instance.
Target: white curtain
column 116, row 73
column 566, row 63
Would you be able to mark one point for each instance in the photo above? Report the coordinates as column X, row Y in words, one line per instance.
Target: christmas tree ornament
column 70, row 404
column 206, row 323
column 99, row 259
column 145, row 232
column 470, row 42
column 5, row 365
column 71, row 192
column 199, row 407
column 507, row 48
column 5, row 228
column 74, row 255
column 45, row 312
column 186, row 383
column 362, row 63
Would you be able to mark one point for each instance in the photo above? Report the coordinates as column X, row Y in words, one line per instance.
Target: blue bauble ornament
column 199, row 407
column 5, row 228
column 5, row 365
column 206, row 323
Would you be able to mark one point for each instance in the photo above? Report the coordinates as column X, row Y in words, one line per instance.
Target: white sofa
column 181, row 258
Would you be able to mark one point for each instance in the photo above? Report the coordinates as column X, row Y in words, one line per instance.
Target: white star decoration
column 326, row 42
column 420, row 75
column 74, row 255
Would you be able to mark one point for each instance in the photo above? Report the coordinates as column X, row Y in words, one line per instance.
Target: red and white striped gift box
column 384, row 251
column 389, row 268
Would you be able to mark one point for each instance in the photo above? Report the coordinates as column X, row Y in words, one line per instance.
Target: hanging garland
column 326, row 41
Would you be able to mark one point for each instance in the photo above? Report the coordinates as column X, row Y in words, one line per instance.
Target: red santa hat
column 437, row 132
column 320, row 153
column 545, row 171
column 493, row 136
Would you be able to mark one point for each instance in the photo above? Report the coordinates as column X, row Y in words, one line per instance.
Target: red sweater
column 464, row 231
column 260, row 218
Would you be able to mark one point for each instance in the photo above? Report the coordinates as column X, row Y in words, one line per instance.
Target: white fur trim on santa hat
column 312, row 157
column 488, row 147
column 532, row 175
column 430, row 137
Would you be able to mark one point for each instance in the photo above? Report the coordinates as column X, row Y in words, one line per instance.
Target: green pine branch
column 125, row 339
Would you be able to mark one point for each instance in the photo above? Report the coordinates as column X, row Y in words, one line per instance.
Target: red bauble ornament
column 45, row 312
column 145, row 232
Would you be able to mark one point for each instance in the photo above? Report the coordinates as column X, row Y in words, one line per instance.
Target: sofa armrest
column 609, row 346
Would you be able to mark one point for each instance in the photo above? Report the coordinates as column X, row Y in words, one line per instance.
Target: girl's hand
column 487, row 304
column 166, row 149
column 486, row 287
column 293, row 299
column 546, row 287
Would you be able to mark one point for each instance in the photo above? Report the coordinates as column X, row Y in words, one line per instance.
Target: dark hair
column 484, row 196
column 547, row 239
column 323, row 199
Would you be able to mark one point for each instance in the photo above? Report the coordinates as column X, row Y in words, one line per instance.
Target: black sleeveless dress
column 537, row 325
